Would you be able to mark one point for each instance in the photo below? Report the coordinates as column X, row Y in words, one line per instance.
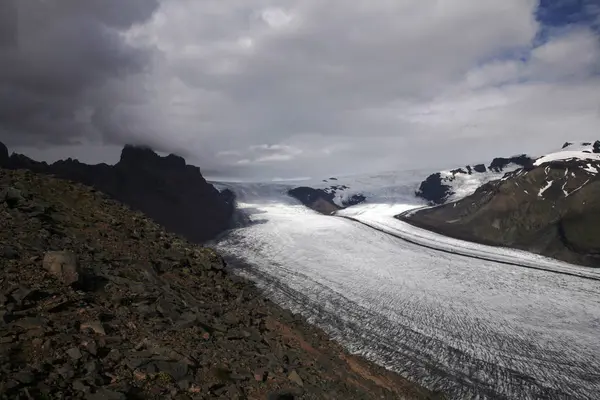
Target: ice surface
column 567, row 155
column 474, row 328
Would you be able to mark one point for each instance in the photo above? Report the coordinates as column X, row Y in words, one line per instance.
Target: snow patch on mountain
column 542, row 190
column 566, row 156
column 381, row 188
column 463, row 185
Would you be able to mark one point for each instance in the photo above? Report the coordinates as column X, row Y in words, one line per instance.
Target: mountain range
column 550, row 207
column 166, row 189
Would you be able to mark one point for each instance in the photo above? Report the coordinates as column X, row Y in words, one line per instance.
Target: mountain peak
column 135, row 154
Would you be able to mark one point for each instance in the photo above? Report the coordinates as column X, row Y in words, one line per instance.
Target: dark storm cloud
column 53, row 54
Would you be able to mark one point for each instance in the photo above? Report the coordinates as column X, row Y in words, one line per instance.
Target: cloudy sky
column 287, row 88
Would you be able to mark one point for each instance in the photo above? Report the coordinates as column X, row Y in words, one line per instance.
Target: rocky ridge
column 325, row 200
column 166, row 189
column 99, row 302
column 550, row 207
column 444, row 186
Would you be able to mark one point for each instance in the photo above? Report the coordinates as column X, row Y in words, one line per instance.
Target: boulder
column 13, row 197
column 294, row 377
column 63, row 265
column 597, row 146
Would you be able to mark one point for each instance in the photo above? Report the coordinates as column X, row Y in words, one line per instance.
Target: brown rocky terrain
column 551, row 209
column 99, row 302
column 166, row 189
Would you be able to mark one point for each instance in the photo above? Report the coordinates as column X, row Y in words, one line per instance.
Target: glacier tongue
column 467, row 326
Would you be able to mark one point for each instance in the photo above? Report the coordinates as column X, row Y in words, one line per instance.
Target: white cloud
column 342, row 86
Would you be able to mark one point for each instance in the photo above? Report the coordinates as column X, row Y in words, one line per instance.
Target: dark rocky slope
column 323, row 200
column 551, row 209
column 166, row 189
column 98, row 302
column 316, row 199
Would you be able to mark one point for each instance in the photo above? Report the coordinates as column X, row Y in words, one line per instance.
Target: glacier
column 470, row 320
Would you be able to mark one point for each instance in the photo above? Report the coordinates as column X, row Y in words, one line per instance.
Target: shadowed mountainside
column 166, row 189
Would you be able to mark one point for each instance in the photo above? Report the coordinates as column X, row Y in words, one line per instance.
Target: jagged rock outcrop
column 434, row 189
column 316, row 199
column 174, row 194
column 500, row 163
column 324, row 200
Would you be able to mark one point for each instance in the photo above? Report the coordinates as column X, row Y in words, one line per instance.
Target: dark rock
column 597, row 146
column 25, row 377
column 294, row 377
column 91, row 367
column 13, row 197
column 66, row 372
column 567, row 144
column 63, row 265
column 19, row 295
column 176, row 370
column 183, row 384
column 31, row 323
column 80, row 386
column 498, row 164
column 95, row 326
column 469, row 169
column 309, row 196
column 10, row 253
column 138, row 361
column 106, row 394
column 91, row 347
column 317, row 199
column 434, row 190
column 4, row 156
column 479, row 168
column 74, row 353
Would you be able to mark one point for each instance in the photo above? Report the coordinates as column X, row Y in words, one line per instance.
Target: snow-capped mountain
column 446, row 186
column 549, row 207
column 452, row 185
